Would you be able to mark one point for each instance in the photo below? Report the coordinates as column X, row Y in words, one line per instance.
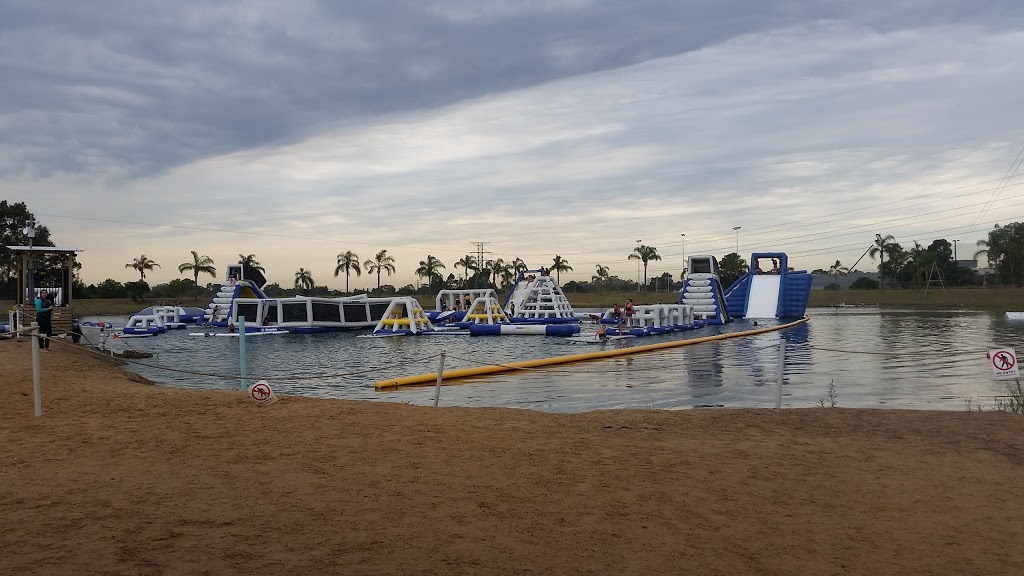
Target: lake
column 873, row 358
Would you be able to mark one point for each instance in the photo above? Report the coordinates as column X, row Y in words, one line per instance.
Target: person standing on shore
column 44, row 311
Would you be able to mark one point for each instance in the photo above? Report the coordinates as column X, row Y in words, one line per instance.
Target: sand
column 123, row 477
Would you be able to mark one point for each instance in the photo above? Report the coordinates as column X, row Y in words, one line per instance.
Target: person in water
column 44, row 317
column 617, row 315
column 602, row 332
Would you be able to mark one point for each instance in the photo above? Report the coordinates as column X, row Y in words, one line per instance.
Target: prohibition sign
column 1003, row 360
column 260, row 391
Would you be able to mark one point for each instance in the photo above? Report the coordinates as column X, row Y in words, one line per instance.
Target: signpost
column 262, row 393
column 1004, row 364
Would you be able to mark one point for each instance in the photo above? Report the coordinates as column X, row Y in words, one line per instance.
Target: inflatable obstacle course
column 537, row 298
column 404, row 316
column 702, row 290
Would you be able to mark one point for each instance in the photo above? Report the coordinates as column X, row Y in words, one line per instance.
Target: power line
column 1007, row 177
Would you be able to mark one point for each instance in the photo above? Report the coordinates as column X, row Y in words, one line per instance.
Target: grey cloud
column 130, row 88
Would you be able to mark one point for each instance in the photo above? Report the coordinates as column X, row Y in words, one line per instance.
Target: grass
column 960, row 298
column 964, row 298
column 114, row 306
column 831, row 399
column 1000, row 299
column 1013, row 401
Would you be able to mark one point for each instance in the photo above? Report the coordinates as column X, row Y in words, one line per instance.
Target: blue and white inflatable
column 779, row 293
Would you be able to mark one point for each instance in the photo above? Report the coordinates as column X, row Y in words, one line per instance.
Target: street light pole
column 30, row 232
column 683, row 236
column 638, row 265
column 737, row 229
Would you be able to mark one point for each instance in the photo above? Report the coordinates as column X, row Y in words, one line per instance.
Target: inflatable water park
column 535, row 305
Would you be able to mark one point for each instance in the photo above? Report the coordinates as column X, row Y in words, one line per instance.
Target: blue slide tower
column 778, row 293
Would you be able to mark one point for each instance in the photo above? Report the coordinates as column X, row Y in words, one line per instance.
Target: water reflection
column 874, row 358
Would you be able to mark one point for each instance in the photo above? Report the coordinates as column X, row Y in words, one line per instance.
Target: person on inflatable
column 602, row 332
column 629, row 313
column 617, row 315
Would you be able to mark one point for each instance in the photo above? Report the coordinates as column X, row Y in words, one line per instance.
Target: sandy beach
column 123, row 477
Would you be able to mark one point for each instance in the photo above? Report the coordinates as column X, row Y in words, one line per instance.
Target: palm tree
column 380, row 262
column 142, row 264
column 838, row 270
column 1004, row 251
column 645, row 254
column 497, row 266
column 508, row 276
column 348, row 261
column 250, row 261
column 990, row 250
column 600, row 276
column 467, row 263
column 922, row 259
column 199, row 264
column 883, row 244
column 304, row 280
column 430, row 269
column 519, row 266
column 559, row 265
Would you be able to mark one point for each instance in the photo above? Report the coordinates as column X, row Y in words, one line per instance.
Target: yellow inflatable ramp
column 431, row 378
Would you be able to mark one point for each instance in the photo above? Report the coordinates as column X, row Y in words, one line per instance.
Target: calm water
column 895, row 359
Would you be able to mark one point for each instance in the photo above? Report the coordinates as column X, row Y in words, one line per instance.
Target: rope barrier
column 521, row 366
column 944, row 355
column 660, row 366
column 494, row 369
column 249, row 376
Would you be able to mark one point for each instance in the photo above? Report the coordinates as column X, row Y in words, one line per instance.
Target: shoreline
column 120, row 476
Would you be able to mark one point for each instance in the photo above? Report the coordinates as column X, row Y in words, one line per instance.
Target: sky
column 297, row 131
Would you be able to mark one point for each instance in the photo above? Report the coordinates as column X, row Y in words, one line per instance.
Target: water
column 874, row 358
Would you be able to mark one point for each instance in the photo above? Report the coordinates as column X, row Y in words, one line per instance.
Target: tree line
column 898, row 267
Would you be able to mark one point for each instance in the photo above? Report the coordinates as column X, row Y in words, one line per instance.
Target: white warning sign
column 262, row 393
column 1004, row 364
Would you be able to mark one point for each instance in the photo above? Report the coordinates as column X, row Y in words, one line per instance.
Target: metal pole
column 737, row 229
column 440, row 376
column 683, row 236
column 241, row 351
column 782, row 366
column 30, row 233
column 37, row 386
column 638, row 266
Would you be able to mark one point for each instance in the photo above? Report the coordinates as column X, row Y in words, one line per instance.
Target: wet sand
column 123, row 477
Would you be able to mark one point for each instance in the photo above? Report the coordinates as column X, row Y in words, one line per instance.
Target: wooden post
column 71, row 278
column 22, row 281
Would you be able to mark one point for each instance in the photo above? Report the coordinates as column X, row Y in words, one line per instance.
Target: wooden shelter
column 57, row 279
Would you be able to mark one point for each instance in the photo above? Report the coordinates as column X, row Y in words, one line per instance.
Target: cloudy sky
column 298, row 130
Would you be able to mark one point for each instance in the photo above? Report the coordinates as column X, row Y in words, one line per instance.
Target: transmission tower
column 480, row 252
